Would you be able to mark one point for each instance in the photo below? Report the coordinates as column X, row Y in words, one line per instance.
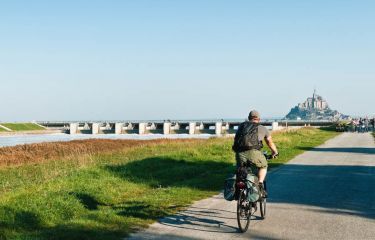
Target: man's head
column 254, row 116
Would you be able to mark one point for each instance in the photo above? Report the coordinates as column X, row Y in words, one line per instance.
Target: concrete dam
column 171, row 127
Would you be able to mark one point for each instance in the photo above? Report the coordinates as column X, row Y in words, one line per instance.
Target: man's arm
column 271, row 145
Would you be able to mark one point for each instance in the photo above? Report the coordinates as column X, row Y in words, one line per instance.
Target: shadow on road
column 347, row 190
column 343, row 150
column 192, row 221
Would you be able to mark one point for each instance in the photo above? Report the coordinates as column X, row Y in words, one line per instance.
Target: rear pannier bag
column 230, row 188
column 253, row 188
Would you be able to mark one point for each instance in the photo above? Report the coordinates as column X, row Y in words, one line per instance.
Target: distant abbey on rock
column 314, row 108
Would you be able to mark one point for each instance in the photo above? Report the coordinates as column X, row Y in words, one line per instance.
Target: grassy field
column 100, row 189
column 2, row 130
column 22, row 126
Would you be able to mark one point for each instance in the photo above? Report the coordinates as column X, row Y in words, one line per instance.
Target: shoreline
column 32, row 132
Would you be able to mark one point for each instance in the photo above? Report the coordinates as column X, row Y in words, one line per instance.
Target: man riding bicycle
column 248, row 143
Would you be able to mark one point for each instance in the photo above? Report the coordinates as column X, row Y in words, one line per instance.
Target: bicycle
column 244, row 206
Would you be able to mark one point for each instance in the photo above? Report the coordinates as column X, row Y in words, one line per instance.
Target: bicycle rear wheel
column 243, row 212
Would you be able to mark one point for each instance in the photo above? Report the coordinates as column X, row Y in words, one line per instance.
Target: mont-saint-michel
column 314, row 108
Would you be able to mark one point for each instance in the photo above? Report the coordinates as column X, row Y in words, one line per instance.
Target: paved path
column 325, row 193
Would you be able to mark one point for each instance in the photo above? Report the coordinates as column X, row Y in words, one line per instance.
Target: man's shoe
column 263, row 191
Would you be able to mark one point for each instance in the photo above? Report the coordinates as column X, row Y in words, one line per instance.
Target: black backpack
column 247, row 138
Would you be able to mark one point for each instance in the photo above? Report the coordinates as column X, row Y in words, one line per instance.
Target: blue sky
column 98, row 60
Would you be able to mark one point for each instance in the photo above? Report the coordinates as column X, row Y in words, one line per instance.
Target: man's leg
column 262, row 176
column 260, row 161
column 262, row 173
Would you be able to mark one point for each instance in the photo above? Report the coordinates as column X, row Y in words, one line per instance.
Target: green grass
column 108, row 196
column 3, row 130
column 22, row 126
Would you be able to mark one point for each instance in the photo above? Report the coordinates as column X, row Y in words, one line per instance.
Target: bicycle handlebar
column 270, row 156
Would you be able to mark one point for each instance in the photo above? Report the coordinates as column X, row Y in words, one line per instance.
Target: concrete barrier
column 73, row 128
column 167, row 128
column 118, row 128
column 142, row 128
column 219, row 128
column 95, row 128
column 192, row 128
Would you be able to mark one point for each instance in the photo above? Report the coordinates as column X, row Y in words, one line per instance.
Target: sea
column 13, row 140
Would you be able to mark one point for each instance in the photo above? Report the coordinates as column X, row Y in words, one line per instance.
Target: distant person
column 352, row 125
column 362, row 126
column 356, row 124
column 367, row 124
column 248, row 143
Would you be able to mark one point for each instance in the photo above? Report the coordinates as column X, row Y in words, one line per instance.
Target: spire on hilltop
column 314, row 93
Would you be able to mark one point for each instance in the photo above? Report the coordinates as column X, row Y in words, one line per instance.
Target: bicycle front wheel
column 263, row 204
column 243, row 212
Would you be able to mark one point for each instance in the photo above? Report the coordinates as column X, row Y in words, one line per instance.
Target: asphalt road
column 325, row 193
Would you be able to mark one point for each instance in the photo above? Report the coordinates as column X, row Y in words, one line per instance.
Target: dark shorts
column 254, row 156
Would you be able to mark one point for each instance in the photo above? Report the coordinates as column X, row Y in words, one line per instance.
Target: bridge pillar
column 142, row 128
column 73, row 128
column 118, row 128
column 95, row 128
column 218, row 128
column 167, row 128
column 192, row 126
column 275, row 126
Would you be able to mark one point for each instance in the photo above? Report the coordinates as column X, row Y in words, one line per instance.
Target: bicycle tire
column 263, row 205
column 243, row 212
